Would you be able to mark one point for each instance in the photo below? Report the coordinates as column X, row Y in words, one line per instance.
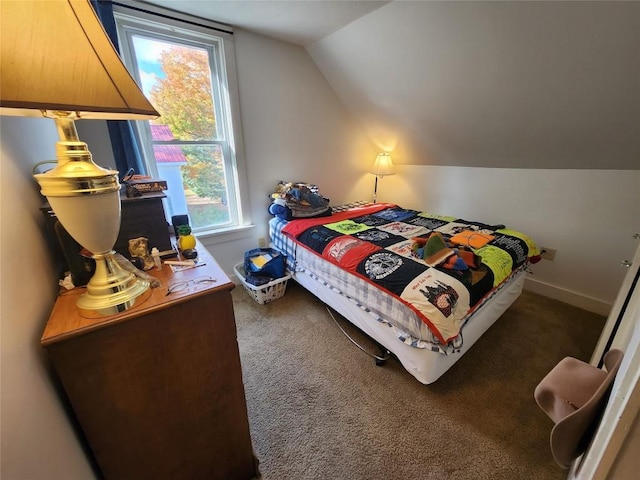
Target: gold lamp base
column 112, row 289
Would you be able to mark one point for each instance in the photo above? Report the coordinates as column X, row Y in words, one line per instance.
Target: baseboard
column 567, row 296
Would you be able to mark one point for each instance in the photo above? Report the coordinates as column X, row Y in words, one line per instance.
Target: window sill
column 226, row 235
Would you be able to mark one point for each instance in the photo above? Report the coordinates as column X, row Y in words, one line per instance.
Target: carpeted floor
column 319, row 408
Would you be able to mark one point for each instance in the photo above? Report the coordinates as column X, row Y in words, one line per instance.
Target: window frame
column 153, row 21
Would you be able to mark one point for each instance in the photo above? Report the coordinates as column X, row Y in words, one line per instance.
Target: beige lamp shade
column 382, row 165
column 56, row 56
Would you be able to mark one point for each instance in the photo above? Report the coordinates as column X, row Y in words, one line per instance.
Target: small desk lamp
column 57, row 62
column 381, row 167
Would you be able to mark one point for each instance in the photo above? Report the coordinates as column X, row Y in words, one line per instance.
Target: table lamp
column 57, row 62
column 381, row 167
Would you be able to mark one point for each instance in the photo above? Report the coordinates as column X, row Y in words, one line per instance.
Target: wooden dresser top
column 66, row 322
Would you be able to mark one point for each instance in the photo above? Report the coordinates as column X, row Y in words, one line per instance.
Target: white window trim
column 155, row 14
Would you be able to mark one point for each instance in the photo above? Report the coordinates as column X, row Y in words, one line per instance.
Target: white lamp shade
column 382, row 165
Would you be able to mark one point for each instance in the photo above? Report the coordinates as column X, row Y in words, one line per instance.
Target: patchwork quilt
column 440, row 267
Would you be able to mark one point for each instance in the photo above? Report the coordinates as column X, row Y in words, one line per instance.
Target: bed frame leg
column 382, row 358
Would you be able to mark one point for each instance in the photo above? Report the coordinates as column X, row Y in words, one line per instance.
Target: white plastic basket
column 264, row 293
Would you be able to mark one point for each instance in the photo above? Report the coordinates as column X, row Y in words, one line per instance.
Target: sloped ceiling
column 494, row 84
column 518, row 84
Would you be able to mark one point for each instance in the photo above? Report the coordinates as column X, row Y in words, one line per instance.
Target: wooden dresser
column 158, row 389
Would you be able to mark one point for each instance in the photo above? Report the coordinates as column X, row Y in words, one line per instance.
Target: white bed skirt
column 425, row 365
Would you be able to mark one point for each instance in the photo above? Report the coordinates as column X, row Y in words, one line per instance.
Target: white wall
column 589, row 216
column 295, row 128
column 37, row 440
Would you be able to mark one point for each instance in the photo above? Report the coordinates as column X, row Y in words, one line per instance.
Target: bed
column 425, row 287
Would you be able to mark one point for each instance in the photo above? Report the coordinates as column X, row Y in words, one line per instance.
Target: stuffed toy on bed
column 291, row 200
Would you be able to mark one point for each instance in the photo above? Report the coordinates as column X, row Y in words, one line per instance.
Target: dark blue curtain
column 124, row 141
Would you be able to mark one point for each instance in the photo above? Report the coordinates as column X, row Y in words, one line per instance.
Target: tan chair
column 573, row 394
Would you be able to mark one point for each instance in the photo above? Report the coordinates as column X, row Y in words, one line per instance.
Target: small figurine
column 139, row 247
column 157, row 261
column 186, row 240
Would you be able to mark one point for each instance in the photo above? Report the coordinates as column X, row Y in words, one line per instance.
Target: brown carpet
column 319, row 408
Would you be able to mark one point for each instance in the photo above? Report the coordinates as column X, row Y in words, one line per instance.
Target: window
column 184, row 68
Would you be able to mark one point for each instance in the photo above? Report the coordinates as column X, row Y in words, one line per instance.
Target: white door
column 613, row 448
